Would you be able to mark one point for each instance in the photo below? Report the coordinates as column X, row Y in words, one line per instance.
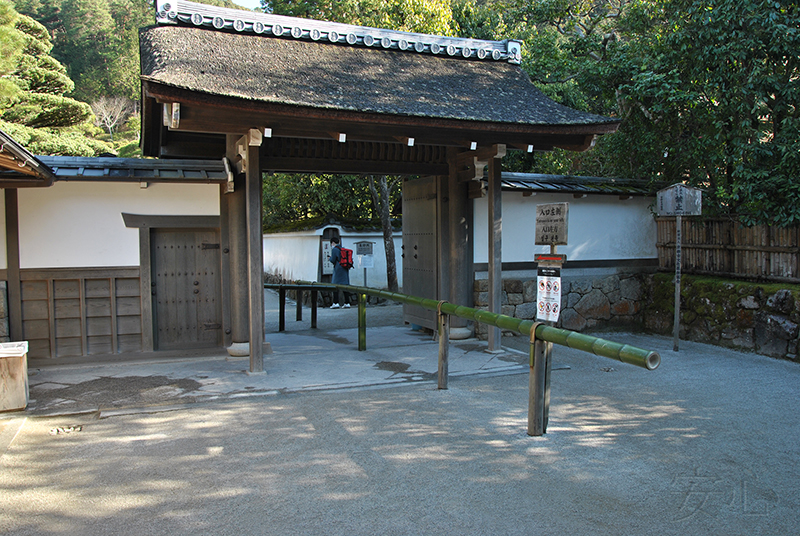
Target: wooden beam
column 206, row 113
column 587, row 143
column 355, row 167
column 12, row 261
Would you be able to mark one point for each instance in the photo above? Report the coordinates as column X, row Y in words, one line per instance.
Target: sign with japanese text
column 327, row 266
column 679, row 200
column 548, row 294
column 551, row 224
column 363, row 248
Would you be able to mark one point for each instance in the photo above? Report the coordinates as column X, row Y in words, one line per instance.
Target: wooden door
column 420, row 248
column 186, row 288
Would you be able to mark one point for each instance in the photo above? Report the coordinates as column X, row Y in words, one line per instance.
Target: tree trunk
column 382, row 203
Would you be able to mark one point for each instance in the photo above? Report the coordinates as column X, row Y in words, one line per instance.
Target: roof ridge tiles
column 183, row 12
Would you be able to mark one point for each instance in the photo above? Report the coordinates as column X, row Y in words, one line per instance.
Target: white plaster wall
column 601, row 227
column 79, row 224
column 295, row 256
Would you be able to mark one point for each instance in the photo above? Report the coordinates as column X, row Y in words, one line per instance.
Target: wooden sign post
column 366, row 260
column 678, row 200
column 551, row 230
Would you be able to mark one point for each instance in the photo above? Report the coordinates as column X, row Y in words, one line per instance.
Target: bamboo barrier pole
column 624, row 353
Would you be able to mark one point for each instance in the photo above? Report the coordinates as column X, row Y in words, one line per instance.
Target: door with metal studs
column 186, row 288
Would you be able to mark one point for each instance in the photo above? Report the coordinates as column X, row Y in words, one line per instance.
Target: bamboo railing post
column 444, row 347
column 539, row 384
column 362, row 321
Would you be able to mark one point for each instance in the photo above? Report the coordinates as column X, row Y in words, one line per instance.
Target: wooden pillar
column 444, row 259
column 12, row 257
column 236, row 202
column 495, row 250
column 255, row 262
column 460, row 248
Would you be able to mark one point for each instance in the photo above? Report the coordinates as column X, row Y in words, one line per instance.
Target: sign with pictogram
column 548, row 294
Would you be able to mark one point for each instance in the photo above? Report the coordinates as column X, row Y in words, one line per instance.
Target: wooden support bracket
column 471, row 165
column 172, row 115
column 229, row 174
column 254, row 137
column 242, row 145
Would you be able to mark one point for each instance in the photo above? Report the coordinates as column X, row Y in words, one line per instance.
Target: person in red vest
column 341, row 273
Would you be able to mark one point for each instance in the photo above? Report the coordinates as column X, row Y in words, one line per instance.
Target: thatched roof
column 334, row 77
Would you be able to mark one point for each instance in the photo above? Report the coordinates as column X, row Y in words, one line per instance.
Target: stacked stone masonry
column 586, row 303
column 764, row 318
column 761, row 318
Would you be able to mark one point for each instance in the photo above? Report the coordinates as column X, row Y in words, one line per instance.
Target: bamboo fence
column 726, row 248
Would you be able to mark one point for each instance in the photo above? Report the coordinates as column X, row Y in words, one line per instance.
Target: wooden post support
column 495, row 251
column 362, row 321
column 14, row 286
column 538, row 385
column 676, row 322
column 444, row 347
column 313, row 309
column 281, row 309
column 299, row 296
column 255, row 260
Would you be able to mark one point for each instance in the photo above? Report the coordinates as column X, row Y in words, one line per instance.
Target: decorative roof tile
column 569, row 184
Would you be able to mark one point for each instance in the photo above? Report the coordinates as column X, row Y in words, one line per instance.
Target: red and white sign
column 548, row 295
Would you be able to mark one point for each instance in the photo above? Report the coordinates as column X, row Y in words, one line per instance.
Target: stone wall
column 758, row 317
column 763, row 318
column 602, row 302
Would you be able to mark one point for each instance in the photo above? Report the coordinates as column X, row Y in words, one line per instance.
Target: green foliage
column 718, row 96
column 288, row 197
column 98, row 42
column 55, row 141
column 424, row 16
column 707, row 92
column 45, row 110
column 11, row 45
column 33, row 108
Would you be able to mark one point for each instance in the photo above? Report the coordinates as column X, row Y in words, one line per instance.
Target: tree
column 708, row 93
column 110, row 112
column 381, row 198
column 34, row 108
column 98, row 41
column 11, row 45
column 425, row 16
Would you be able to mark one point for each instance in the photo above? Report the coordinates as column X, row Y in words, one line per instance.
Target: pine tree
column 33, row 106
